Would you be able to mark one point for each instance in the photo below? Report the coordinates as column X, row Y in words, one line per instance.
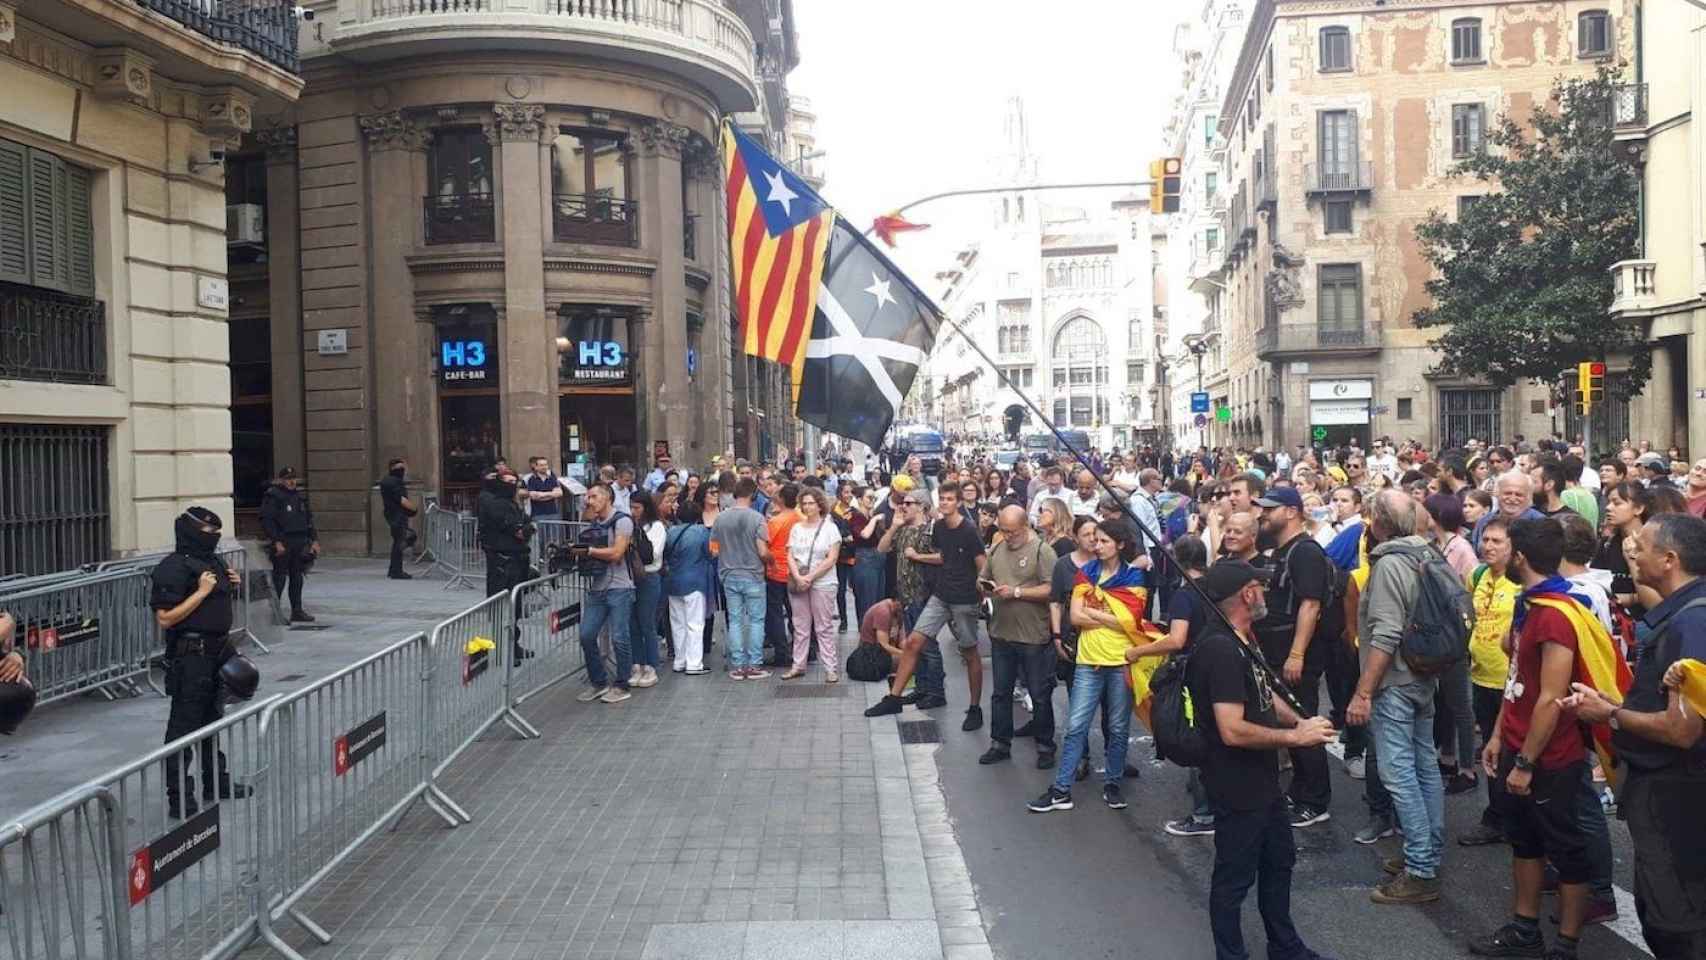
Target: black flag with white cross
column 872, row 331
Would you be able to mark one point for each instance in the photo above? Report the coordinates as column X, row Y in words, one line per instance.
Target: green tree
column 1522, row 284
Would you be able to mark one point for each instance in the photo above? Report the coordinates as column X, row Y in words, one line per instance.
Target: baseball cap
column 1653, row 461
column 903, row 483
column 287, row 473
column 1226, row 577
column 1281, row 497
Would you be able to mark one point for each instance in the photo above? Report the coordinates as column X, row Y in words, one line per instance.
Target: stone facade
column 1351, row 106
column 142, row 135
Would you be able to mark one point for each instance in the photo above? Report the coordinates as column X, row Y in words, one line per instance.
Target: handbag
column 795, row 584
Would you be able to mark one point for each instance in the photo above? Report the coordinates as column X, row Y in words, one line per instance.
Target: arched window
column 1081, row 339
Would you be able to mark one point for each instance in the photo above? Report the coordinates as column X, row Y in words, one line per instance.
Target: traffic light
column 1164, row 185
column 1590, row 386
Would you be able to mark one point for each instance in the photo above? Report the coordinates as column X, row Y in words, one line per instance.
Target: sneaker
column 1356, row 768
column 1189, row 827
column 1052, row 799
column 1303, row 815
column 995, row 754
column 592, row 693
column 1481, row 836
column 1598, row 911
column 931, row 701
column 1112, row 796
column 1406, row 887
column 1460, row 782
column 678, row 668
column 1379, row 828
column 1509, row 940
column 1393, row 865
column 889, row 704
column 974, row 719
column 300, row 616
column 911, row 697
column 696, row 671
column 616, row 695
column 1045, row 760
column 794, row 673
column 1019, row 694
column 757, row 673
column 648, row 678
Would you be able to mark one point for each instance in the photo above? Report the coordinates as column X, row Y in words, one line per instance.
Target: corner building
column 1343, row 121
column 495, row 230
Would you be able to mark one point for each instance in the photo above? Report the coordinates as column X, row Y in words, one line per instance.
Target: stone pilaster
column 396, row 167
column 663, row 355
column 284, row 294
column 528, row 359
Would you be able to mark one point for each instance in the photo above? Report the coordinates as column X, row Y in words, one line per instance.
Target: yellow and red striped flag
column 778, row 231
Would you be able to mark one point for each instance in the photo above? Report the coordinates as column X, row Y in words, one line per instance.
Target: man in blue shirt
column 656, row 477
column 544, row 491
column 1513, row 499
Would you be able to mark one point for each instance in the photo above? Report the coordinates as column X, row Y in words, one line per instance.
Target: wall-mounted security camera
column 301, row 13
column 215, row 158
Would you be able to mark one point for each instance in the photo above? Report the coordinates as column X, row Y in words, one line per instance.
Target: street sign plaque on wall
column 1199, row 403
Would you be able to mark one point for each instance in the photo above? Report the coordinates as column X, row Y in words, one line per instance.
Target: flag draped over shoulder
column 1124, row 595
column 1693, row 688
column 872, row 332
column 1599, row 664
column 778, row 231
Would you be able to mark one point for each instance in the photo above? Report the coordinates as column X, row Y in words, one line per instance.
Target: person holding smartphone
column 1016, row 580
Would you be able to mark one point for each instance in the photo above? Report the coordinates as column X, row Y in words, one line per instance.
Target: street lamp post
column 1197, row 344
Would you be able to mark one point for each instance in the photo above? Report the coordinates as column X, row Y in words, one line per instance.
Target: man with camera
column 603, row 554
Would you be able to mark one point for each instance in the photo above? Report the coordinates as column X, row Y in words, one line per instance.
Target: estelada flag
column 778, row 229
column 1124, row 595
column 1694, row 685
column 1599, row 664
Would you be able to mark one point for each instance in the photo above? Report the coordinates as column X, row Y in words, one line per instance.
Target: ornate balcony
column 594, row 218
column 1629, row 111
column 1352, row 178
column 51, row 336
column 460, row 218
column 701, row 40
column 1635, row 285
column 1305, row 339
column 265, row 28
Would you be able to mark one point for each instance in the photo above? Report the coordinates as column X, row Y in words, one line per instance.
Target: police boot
column 182, row 807
column 522, row 653
column 225, row 788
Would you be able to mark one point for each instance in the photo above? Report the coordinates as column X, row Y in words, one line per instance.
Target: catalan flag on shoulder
column 778, row 231
column 1599, row 664
column 1125, row 595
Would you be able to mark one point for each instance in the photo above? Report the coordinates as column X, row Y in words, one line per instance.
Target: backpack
column 1171, row 716
column 643, row 546
column 1436, row 634
column 869, row 663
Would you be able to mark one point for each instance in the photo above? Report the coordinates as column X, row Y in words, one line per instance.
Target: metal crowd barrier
column 454, row 539
column 236, row 558
column 96, row 632
column 292, row 786
column 548, row 616
column 347, row 757
column 62, row 895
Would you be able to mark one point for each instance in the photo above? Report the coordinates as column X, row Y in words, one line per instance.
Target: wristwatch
column 1612, row 720
column 1521, row 762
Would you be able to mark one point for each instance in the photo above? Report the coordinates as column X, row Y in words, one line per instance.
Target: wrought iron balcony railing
column 594, row 218
column 460, row 218
column 265, row 28
column 50, row 336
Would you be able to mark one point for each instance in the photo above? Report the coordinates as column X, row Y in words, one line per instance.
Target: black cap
column 1281, row 497
column 1227, row 577
column 286, row 473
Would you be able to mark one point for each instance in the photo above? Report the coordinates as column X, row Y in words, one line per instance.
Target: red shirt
column 779, row 527
column 1522, row 690
column 882, row 616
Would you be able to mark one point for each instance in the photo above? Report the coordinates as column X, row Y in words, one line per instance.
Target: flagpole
column 985, row 191
column 1274, row 679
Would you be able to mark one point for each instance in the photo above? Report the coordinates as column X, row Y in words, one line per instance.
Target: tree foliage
column 1523, row 282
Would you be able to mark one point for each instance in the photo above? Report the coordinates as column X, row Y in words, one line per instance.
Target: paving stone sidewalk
column 704, row 818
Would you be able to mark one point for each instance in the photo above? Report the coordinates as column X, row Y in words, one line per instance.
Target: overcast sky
column 910, row 95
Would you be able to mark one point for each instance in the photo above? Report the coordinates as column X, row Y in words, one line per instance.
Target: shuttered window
column 46, row 234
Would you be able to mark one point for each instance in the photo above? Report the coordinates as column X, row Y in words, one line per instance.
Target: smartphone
column 986, row 583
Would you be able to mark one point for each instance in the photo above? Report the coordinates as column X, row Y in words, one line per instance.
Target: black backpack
column 1436, row 633
column 869, row 663
column 1171, row 718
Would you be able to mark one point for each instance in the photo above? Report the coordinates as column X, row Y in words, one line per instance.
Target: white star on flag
column 847, row 341
column 879, row 288
column 779, row 193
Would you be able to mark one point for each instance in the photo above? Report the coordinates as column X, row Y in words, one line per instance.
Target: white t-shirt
column 808, row 546
column 655, row 532
column 1124, row 480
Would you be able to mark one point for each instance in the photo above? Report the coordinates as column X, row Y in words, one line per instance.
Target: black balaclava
column 190, row 537
column 397, row 471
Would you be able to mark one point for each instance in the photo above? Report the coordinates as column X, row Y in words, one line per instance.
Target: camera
column 301, row 13
column 574, row 557
column 216, row 153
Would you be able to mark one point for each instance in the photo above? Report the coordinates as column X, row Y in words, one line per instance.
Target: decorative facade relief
column 518, row 121
column 663, row 138
column 392, row 131
column 124, row 74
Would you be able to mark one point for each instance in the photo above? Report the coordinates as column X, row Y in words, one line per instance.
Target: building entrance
column 600, row 427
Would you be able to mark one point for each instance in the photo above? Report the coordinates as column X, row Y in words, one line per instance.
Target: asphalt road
column 1093, row 882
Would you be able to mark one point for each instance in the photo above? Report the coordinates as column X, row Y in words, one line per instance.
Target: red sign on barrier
column 357, row 745
column 565, row 617
column 155, row 865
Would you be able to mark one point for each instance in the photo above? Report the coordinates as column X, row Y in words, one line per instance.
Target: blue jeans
column 617, row 608
column 1202, row 811
column 867, row 577
column 931, row 676
column 646, row 594
column 745, row 618
column 1403, row 729
column 1091, row 686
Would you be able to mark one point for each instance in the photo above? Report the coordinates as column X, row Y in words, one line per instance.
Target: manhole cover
column 819, row 692
column 920, row 731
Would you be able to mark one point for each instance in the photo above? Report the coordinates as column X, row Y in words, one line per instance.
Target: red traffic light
column 1596, row 369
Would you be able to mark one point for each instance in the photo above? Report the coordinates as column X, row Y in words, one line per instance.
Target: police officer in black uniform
column 292, row 543
column 394, row 494
column 505, row 535
column 191, row 598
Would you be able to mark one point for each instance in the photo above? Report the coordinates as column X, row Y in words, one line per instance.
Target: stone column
column 527, row 361
column 642, row 330
column 284, row 294
column 663, row 354
column 714, row 385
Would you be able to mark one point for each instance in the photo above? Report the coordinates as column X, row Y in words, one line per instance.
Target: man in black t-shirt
column 1252, row 839
column 1295, row 636
column 956, row 561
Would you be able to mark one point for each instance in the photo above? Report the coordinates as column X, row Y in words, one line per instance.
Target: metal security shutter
column 55, row 510
column 14, row 213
